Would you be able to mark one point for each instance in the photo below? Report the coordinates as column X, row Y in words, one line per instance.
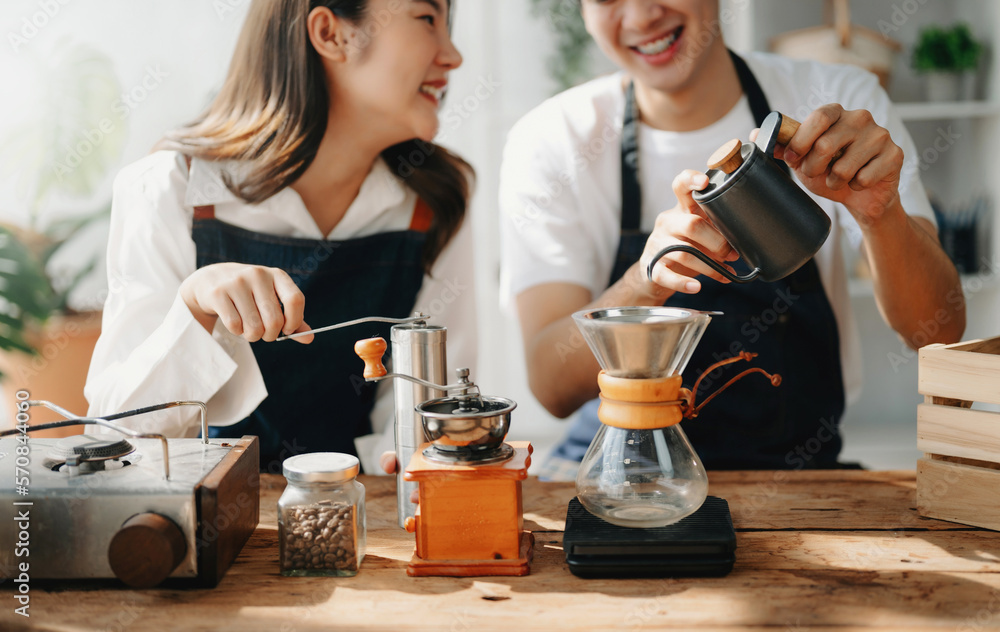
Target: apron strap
column 631, row 191
column 422, row 217
column 755, row 96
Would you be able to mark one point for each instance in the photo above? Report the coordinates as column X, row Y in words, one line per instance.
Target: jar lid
column 320, row 467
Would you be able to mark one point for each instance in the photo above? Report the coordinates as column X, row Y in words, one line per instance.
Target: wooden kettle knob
column 371, row 351
column 788, row 128
column 146, row 550
column 728, row 157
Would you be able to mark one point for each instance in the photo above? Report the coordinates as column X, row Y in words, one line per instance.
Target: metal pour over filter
column 642, row 342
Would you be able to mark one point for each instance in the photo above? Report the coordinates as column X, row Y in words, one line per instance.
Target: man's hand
column 686, row 224
column 865, row 179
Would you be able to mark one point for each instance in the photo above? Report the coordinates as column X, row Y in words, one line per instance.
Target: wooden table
column 817, row 550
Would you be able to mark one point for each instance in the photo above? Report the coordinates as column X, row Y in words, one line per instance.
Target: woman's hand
column 686, row 223
column 255, row 302
column 865, row 179
column 388, row 463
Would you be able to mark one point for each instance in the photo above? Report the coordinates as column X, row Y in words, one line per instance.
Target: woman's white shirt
column 152, row 350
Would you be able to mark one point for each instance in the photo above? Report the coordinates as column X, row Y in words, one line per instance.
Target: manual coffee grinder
column 469, row 520
column 641, row 508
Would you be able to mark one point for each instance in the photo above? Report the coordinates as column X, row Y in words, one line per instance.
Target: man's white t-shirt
column 560, row 183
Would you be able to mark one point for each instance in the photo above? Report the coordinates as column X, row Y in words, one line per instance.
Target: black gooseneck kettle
column 771, row 222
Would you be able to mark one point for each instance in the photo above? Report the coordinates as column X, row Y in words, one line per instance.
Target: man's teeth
column 660, row 45
column 437, row 93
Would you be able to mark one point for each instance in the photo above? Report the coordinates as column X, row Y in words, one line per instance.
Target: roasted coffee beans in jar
column 321, row 516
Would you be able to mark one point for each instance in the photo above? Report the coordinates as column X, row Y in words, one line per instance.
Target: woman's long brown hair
column 271, row 113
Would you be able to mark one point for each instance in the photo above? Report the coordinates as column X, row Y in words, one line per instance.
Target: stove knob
column 146, row 549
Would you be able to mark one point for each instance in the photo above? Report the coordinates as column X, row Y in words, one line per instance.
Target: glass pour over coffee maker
column 640, row 469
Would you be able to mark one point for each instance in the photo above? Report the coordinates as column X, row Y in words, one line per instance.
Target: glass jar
column 321, row 516
column 641, row 478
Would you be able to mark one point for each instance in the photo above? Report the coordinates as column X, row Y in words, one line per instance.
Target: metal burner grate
column 87, row 448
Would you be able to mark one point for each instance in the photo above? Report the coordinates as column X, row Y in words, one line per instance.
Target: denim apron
column 789, row 323
column 317, row 399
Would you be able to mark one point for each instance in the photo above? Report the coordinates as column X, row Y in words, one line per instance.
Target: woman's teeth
column 437, row 93
column 660, row 45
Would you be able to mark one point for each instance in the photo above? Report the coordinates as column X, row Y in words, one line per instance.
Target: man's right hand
column 687, row 224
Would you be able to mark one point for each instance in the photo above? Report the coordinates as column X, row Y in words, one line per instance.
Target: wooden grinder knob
column 371, row 351
column 146, row 550
column 728, row 157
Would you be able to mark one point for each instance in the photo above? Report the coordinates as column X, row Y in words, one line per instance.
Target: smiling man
column 598, row 179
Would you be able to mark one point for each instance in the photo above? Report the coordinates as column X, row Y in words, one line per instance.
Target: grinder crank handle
column 416, row 318
column 371, row 351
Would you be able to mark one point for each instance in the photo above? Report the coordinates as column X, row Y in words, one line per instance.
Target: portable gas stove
column 141, row 508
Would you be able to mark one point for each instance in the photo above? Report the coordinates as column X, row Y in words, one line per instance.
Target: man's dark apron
column 317, row 399
column 789, row 323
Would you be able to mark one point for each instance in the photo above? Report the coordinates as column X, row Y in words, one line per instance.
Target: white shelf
column 946, row 110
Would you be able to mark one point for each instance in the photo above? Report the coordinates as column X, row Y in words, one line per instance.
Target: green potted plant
column 570, row 63
column 948, row 58
column 63, row 152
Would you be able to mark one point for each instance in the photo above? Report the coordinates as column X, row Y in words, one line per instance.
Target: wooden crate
column 959, row 477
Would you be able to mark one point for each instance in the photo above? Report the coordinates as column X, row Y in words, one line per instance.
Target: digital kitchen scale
column 700, row 545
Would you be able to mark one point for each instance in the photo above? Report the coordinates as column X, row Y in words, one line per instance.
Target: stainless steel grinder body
column 418, row 350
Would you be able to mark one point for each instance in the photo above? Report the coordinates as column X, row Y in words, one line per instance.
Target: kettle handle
column 691, row 250
column 778, row 128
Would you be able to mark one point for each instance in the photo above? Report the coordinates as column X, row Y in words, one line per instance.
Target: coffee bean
column 319, row 537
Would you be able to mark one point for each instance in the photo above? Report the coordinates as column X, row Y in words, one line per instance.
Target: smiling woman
column 308, row 190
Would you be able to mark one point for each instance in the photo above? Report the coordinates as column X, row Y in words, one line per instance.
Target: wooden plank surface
column 955, row 374
column 954, row 431
column 966, row 494
column 816, row 550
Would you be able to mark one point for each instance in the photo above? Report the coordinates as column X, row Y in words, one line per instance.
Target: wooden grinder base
column 419, row 567
column 470, row 521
